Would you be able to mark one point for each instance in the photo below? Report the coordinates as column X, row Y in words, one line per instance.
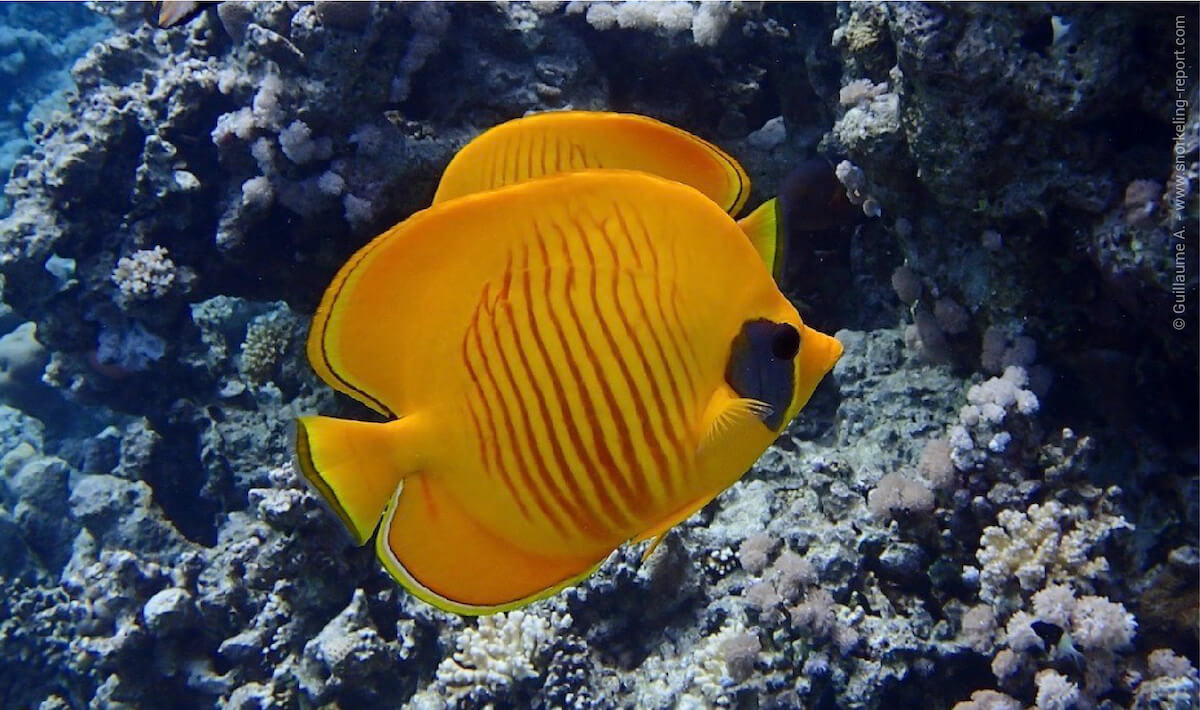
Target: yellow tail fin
column 356, row 466
column 762, row 227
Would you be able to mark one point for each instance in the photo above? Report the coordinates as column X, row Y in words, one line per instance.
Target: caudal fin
column 356, row 466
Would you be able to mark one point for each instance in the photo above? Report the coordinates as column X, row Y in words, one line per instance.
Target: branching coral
column 1051, row 550
column 267, row 337
column 981, row 431
column 707, row 21
column 1049, row 542
column 499, row 653
column 146, row 273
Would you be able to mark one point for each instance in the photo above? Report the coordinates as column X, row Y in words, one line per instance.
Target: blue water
column 38, row 44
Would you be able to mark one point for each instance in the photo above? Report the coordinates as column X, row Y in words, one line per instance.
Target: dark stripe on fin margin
column 305, row 464
column 354, row 465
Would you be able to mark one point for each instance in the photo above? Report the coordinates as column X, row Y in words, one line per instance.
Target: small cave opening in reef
column 179, row 480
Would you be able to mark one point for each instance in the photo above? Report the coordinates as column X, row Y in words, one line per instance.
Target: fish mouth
column 818, row 354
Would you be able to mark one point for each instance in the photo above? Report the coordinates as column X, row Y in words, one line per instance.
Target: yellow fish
column 562, row 141
column 567, row 363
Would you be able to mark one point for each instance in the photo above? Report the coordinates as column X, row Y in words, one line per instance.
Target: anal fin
column 433, row 545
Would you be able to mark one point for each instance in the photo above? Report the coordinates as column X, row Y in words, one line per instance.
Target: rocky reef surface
column 990, row 503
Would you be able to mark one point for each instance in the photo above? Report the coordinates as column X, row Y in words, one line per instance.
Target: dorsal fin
column 565, row 141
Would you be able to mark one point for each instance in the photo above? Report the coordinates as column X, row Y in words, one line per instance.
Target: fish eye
column 785, row 343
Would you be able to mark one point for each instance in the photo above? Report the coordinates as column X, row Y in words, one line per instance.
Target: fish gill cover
column 991, row 502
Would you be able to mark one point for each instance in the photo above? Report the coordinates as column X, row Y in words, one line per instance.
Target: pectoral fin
column 727, row 414
column 727, row 417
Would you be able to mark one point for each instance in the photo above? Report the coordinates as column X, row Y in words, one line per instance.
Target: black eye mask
column 760, row 366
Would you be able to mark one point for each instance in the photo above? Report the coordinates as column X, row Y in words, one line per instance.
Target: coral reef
column 990, row 503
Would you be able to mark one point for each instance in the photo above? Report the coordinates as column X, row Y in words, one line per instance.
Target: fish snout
column 818, row 354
